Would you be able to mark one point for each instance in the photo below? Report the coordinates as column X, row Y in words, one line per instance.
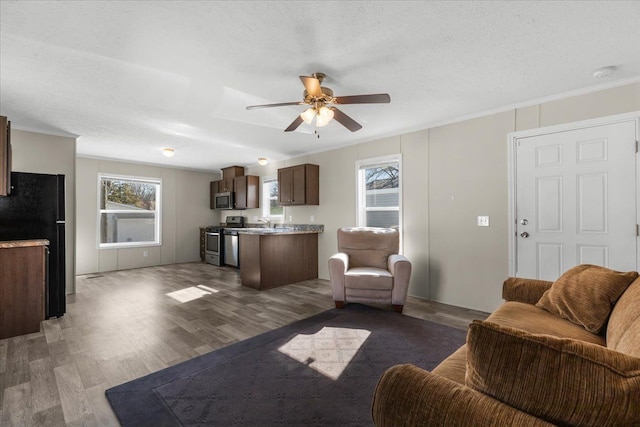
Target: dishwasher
column 231, row 248
column 231, row 241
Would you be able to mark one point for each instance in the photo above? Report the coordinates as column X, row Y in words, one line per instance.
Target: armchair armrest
column 338, row 266
column 339, row 260
column 400, row 268
column 523, row 290
column 409, row 396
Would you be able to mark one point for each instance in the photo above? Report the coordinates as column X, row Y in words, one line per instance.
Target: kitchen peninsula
column 272, row 257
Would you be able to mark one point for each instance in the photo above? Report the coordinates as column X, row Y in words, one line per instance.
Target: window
column 270, row 207
column 129, row 211
column 379, row 192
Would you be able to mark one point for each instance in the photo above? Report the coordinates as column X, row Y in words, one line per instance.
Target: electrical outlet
column 312, row 218
column 483, row 221
column 255, row 218
column 290, row 218
column 145, row 253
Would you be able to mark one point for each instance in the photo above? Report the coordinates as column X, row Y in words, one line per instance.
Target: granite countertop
column 23, row 243
column 281, row 229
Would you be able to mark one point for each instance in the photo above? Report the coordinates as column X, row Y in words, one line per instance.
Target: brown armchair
column 368, row 268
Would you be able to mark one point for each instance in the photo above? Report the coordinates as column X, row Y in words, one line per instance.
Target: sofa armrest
column 409, row 396
column 523, row 290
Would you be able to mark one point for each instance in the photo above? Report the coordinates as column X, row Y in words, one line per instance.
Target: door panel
column 576, row 200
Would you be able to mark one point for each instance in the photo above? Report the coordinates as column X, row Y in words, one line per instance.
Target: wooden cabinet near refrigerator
column 22, row 286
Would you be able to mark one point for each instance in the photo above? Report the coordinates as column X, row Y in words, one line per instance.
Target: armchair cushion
column 368, row 247
column 586, row 294
column 368, row 278
column 563, row 381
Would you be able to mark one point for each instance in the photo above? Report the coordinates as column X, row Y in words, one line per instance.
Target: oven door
column 213, row 248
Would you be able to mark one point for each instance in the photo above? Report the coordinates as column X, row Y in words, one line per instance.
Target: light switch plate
column 483, row 221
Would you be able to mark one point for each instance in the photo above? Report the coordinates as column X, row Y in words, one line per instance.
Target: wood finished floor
column 123, row 325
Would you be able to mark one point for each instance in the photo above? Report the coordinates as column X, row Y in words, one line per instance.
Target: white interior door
column 576, row 200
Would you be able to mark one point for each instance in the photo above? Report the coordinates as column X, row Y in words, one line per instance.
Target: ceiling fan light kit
column 318, row 97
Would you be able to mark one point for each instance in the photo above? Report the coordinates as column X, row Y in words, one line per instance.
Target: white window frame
column 361, row 208
column 266, row 200
column 157, row 211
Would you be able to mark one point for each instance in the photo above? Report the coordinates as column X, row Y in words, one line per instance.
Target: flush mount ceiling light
column 603, row 72
column 262, row 161
column 168, row 152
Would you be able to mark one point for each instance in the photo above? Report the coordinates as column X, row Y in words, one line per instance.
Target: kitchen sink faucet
column 266, row 221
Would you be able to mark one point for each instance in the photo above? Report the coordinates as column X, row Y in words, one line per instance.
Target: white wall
column 451, row 174
column 454, row 261
column 185, row 207
column 40, row 153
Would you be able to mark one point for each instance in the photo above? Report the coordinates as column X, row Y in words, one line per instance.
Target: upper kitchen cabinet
column 5, row 156
column 299, row 185
column 228, row 174
column 213, row 189
column 247, row 193
column 245, row 187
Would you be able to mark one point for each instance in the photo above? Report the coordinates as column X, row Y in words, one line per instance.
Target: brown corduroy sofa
column 568, row 358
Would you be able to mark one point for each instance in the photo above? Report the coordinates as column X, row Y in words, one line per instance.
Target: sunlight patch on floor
column 328, row 351
column 191, row 293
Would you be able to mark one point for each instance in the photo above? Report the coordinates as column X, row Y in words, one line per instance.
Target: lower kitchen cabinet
column 22, row 286
column 203, row 242
column 271, row 260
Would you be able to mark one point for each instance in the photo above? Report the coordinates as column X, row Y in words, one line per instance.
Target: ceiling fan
column 317, row 97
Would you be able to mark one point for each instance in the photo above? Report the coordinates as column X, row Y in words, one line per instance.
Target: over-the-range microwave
column 224, row 200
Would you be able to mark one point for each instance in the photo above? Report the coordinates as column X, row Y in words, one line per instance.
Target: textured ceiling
column 131, row 77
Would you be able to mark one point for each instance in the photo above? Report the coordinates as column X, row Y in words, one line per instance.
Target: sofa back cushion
column 586, row 294
column 368, row 246
column 623, row 330
column 563, row 381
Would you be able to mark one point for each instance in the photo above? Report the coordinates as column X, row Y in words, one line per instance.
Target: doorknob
column 524, row 222
column 524, row 234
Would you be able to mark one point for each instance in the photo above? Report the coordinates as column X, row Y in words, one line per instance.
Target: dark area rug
column 320, row 371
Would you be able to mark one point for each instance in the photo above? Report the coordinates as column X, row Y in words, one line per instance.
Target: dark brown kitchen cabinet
column 203, row 242
column 247, row 193
column 213, row 189
column 299, row 185
column 5, row 156
column 228, row 174
column 225, row 185
column 22, row 286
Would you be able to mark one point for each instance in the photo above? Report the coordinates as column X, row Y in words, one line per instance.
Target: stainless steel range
column 214, row 246
column 221, row 246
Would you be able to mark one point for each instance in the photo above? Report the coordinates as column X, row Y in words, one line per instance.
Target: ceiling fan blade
column 378, row 98
column 294, row 124
column 281, row 104
column 345, row 120
column 312, row 85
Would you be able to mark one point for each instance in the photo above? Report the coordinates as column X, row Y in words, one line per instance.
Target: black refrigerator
column 35, row 210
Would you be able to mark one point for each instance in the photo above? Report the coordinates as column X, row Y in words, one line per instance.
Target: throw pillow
column 586, row 294
column 563, row 381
